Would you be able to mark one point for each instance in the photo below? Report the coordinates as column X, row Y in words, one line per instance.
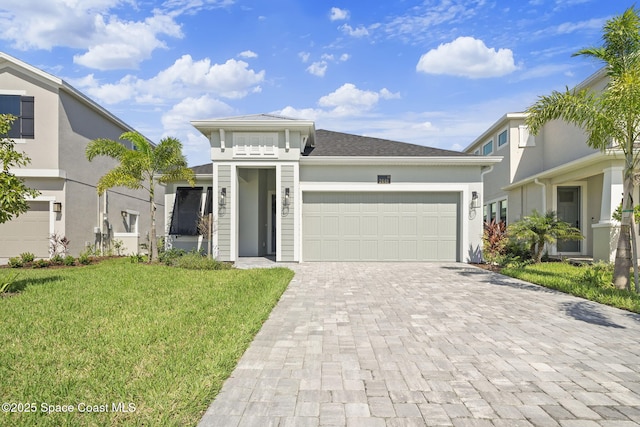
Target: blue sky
column 430, row 72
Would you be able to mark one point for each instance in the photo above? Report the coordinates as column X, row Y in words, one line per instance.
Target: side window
column 503, row 138
column 487, row 148
column 22, row 107
column 503, row 211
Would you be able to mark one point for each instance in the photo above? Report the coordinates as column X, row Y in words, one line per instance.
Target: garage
column 380, row 226
column 28, row 232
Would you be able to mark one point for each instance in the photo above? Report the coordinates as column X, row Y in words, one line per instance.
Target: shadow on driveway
column 588, row 312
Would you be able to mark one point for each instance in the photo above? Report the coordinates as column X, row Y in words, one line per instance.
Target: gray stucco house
column 277, row 186
column 55, row 123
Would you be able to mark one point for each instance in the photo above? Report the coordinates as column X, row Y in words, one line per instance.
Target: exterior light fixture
column 285, row 200
column 57, row 207
column 223, row 197
column 124, row 214
column 475, row 199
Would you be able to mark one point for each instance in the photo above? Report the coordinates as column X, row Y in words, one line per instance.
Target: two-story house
column 277, row 186
column 554, row 170
column 54, row 124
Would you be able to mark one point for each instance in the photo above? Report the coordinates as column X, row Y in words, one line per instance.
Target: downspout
column 482, row 174
column 544, row 194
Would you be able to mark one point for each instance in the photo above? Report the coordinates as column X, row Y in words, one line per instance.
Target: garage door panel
column 380, row 226
column 28, row 232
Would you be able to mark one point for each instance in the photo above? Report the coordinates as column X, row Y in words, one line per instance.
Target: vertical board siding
column 288, row 214
column 224, row 214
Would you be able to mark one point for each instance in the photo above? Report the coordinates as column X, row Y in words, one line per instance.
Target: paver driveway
column 374, row 344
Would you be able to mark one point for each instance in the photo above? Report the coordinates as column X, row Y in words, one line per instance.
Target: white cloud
column 338, row 14
column 318, row 68
column 248, row 54
column 185, row 77
column 467, row 57
column 304, row 56
column 345, row 57
column 348, row 99
column 180, row 115
column 91, row 25
column 354, row 32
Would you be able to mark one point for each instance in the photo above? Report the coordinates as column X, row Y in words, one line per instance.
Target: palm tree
column 143, row 167
column 611, row 119
column 537, row 229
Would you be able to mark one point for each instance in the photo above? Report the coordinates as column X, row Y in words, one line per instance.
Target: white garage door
column 380, row 226
column 28, row 232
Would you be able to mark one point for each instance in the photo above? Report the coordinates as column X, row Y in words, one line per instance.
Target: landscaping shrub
column 136, row 258
column 27, row 257
column 598, row 274
column 170, row 256
column 56, row 260
column 494, row 242
column 6, row 281
column 40, row 263
column 15, row 262
column 69, row 261
column 84, row 259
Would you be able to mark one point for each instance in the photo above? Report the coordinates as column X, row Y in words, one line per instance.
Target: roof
column 329, row 144
column 206, row 169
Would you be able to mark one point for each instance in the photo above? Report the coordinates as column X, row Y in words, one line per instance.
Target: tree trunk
column 153, row 250
column 539, row 250
column 634, row 252
column 623, row 261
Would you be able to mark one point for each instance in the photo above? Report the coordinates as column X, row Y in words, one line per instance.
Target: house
column 554, row 170
column 277, row 186
column 55, row 123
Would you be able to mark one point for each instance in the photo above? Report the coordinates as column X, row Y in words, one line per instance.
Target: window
column 22, row 107
column 131, row 221
column 186, row 211
column 485, row 210
column 502, row 208
column 487, row 148
column 492, row 211
column 384, row 179
column 502, row 138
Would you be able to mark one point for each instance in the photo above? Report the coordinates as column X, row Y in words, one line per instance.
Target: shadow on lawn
column 588, row 312
column 19, row 285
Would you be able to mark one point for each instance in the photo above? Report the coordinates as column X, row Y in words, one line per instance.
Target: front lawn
column 571, row 279
column 126, row 344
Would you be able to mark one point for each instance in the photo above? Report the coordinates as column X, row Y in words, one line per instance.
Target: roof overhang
column 574, row 165
column 403, row 160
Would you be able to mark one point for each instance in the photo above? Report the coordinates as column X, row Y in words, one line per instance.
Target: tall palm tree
column 142, row 168
column 611, row 119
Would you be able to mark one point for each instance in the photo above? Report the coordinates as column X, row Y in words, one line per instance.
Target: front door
column 569, row 211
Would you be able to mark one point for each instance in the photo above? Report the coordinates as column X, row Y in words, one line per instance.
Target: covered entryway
column 28, row 232
column 256, row 211
column 380, row 226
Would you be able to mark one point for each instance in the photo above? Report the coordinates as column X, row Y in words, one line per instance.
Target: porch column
column 612, row 189
column 605, row 232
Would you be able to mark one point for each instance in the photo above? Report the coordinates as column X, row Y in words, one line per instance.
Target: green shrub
column 170, row 256
column 195, row 261
column 57, row 259
column 598, row 274
column 40, row 263
column 6, row 281
column 136, row 258
column 15, row 262
column 69, row 261
column 84, row 259
column 27, row 257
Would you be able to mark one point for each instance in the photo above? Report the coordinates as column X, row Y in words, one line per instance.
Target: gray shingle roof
column 332, row 144
column 206, row 169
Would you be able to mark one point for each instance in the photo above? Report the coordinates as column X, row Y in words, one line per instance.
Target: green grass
column 163, row 339
column 570, row 279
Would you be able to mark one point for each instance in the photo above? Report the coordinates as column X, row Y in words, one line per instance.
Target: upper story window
column 503, row 138
column 22, row 108
column 487, row 148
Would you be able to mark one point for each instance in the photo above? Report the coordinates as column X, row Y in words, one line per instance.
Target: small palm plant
column 537, row 229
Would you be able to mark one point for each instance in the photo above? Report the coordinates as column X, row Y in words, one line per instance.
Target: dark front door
column 569, row 211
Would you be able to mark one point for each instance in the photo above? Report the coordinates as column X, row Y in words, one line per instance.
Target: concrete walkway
column 413, row 344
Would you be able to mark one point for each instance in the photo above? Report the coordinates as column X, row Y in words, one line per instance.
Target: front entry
column 569, row 211
column 256, row 203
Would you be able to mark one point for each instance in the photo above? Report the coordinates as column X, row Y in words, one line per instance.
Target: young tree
column 537, row 229
column 143, row 167
column 13, row 191
column 611, row 119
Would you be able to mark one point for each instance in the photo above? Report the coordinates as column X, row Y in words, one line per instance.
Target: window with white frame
column 496, row 211
column 22, row 108
column 487, row 148
column 502, row 211
column 503, row 138
column 130, row 220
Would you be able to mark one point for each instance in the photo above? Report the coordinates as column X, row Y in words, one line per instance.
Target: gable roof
column 206, row 169
column 337, row 144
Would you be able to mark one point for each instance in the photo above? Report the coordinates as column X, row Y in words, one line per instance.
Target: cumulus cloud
column 348, row 99
column 338, row 14
column 467, row 57
column 92, row 25
column 304, row 56
column 354, row 32
column 248, row 54
column 186, row 77
column 178, row 118
column 318, row 68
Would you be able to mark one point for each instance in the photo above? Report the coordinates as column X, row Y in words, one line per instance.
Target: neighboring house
column 55, row 123
column 277, row 186
column 555, row 170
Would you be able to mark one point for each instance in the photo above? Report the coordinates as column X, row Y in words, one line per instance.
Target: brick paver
column 374, row 344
